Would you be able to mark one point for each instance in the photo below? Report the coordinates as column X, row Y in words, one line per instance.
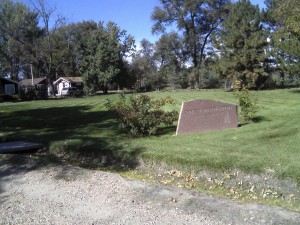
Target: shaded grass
column 82, row 128
column 71, row 129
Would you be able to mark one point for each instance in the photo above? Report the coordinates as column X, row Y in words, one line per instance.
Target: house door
column 60, row 87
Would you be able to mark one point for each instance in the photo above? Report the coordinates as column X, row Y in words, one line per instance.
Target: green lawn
column 83, row 127
column 270, row 143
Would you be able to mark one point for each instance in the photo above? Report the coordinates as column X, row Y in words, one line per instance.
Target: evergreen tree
column 242, row 42
column 281, row 17
column 287, row 12
column 101, row 56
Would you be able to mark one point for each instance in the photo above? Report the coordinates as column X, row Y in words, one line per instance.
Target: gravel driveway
column 32, row 193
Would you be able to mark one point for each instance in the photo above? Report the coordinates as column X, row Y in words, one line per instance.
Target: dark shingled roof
column 28, row 82
column 9, row 80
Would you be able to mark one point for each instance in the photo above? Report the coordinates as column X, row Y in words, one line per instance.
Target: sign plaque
column 205, row 115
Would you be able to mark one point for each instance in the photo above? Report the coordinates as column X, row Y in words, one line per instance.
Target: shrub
column 247, row 102
column 27, row 94
column 7, row 97
column 33, row 93
column 141, row 115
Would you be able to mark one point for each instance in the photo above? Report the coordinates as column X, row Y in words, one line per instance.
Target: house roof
column 9, row 80
column 28, row 82
column 73, row 79
column 68, row 79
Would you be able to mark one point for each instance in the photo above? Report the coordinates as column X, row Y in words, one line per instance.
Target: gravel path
column 35, row 194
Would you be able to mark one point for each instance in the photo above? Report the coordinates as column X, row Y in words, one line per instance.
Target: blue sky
column 131, row 15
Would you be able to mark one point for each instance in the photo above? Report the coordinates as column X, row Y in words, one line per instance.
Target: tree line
column 214, row 43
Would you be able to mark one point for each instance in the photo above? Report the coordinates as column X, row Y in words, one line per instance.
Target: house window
column 65, row 84
column 10, row 89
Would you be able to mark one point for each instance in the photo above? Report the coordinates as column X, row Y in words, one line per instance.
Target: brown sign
column 204, row 115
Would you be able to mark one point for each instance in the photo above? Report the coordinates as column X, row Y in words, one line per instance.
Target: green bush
column 247, row 102
column 141, row 115
column 7, row 97
column 27, row 94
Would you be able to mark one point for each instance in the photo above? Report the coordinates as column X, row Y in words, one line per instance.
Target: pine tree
column 282, row 18
column 242, row 42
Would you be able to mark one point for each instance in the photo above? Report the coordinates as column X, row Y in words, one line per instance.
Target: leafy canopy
column 141, row 115
column 194, row 19
column 101, row 56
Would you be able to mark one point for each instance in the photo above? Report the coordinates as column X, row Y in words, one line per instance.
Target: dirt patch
column 32, row 192
column 265, row 188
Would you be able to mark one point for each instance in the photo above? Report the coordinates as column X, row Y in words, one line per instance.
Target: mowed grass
column 82, row 126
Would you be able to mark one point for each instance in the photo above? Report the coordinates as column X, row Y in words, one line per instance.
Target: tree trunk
column 105, row 89
column 281, row 78
column 51, row 86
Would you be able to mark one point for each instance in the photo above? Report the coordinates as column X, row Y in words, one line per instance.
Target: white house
column 65, row 82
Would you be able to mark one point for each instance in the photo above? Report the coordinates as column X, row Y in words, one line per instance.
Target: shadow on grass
column 166, row 130
column 51, row 124
column 72, row 133
column 296, row 91
column 97, row 153
column 257, row 119
column 260, row 119
column 279, row 134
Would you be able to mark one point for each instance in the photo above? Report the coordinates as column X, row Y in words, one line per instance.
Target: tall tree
column 196, row 19
column 101, row 56
column 18, row 26
column 47, row 45
column 66, row 39
column 288, row 12
column 242, row 42
column 171, row 57
column 79, row 32
column 143, row 65
column 283, row 19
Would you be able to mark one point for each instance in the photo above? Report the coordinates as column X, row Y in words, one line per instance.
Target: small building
column 8, row 86
column 36, row 88
column 33, row 83
column 66, row 82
